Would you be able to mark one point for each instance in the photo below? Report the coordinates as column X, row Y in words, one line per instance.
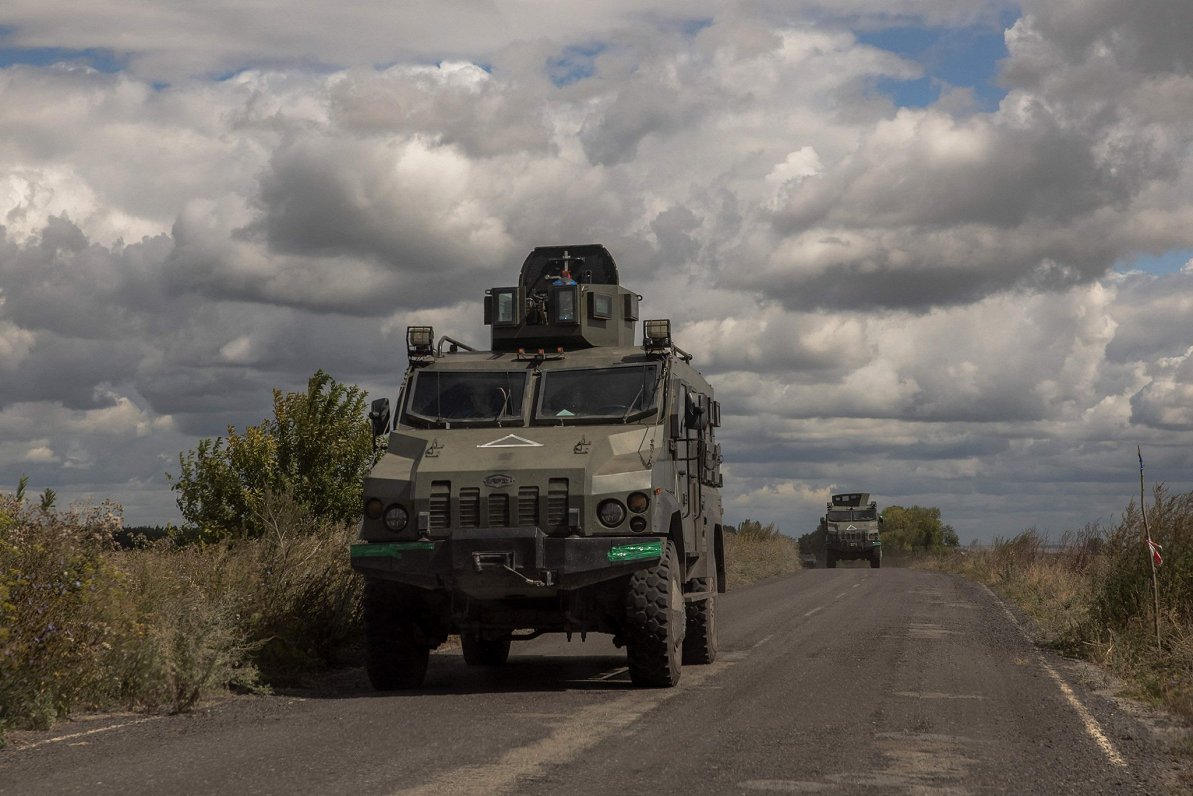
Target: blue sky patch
column 99, row 59
column 1169, row 262
column 574, row 64
column 964, row 57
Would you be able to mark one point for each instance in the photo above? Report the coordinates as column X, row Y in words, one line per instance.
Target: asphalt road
column 829, row 681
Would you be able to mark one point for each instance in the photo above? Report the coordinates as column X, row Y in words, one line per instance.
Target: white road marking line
column 1091, row 724
column 854, row 586
column 937, row 695
column 762, row 641
column 73, row 735
column 814, row 610
column 842, row 594
column 582, row 730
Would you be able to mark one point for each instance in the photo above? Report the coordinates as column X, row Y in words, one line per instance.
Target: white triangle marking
column 511, row 441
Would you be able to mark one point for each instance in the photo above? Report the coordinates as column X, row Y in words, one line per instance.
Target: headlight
column 396, row 517
column 373, row 508
column 638, row 502
column 638, row 524
column 611, row 513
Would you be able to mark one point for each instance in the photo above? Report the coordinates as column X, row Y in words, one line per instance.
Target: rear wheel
column 655, row 623
column 394, row 658
column 480, row 651
column 830, row 560
column 700, row 640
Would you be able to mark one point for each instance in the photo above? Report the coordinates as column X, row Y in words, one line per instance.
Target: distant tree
column 315, row 450
column 917, row 528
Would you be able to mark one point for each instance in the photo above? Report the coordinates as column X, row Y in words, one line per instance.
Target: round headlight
column 396, row 517
column 637, row 524
column 373, row 508
column 638, row 502
column 611, row 513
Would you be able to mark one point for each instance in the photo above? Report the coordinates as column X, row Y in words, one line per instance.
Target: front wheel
column 655, row 623
column 394, row 657
column 876, row 559
column 479, row 651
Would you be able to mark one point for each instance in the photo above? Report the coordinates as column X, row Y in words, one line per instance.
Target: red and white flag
column 1155, row 548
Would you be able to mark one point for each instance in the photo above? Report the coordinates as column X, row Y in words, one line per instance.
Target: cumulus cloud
column 915, row 301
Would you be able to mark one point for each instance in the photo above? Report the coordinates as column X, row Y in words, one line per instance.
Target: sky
column 937, row 250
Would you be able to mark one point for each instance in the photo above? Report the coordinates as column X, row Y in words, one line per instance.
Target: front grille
column 470, row 507
column 441, row 504
column 528, row 505
column 499, row 510
column 557, row 502
column 466, row 508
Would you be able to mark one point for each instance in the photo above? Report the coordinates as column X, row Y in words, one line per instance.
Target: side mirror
column 880, row 519
column 379, row 418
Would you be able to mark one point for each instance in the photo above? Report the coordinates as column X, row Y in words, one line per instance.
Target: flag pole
column 1151, row 553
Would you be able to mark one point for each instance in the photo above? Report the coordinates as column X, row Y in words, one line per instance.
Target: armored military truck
column 565, row 481
column 851, row 527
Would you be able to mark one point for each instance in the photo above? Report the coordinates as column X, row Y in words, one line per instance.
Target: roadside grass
column 756, row 552
column 85, row 624
column 159, row 625
column 1091, row 598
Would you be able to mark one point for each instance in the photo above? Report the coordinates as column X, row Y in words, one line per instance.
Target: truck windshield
column 856, row 515
column 598, row 393
column 467, row 395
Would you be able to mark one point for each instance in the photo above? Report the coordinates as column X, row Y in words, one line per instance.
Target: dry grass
column 757, row 552
column 84, row 624
column 1093, row 599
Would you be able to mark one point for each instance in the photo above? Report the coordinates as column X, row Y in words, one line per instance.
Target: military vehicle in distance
column 851, row 527
column 565, row 481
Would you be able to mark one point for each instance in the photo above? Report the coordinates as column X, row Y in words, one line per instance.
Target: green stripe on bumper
column 636, row 552
column 388, row 549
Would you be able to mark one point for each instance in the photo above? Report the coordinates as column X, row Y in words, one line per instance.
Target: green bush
column 62, row 611
column 316, row 449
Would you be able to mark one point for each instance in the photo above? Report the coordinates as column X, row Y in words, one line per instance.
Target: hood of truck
column 451, row 474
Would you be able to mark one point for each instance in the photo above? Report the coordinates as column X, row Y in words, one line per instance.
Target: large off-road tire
column 700, row 640
column 655, row 623
column 480, row 651
column 830, row 560
column 876, row 559
column 394, row 657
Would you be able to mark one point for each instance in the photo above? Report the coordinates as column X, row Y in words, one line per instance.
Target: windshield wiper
column 625, row 417
column 505, row 402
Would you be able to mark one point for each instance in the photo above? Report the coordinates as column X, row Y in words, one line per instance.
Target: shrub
column 62, row 610
column 316, row 449
column 304, row 607
column 86, row 624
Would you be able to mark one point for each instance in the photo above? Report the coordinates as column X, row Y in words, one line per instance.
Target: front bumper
column 859, row 548
column 493, row 563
